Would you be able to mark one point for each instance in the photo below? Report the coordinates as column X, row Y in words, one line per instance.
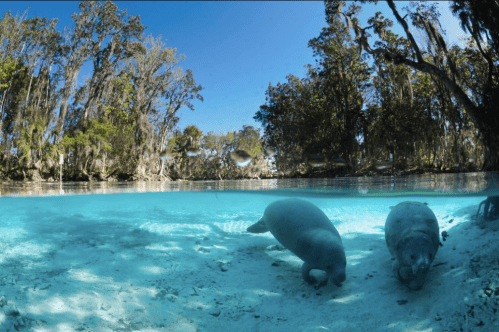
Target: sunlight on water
column 83, row 275
column 153, row 269
column 348, row 299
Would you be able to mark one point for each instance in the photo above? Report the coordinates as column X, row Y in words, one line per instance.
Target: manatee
column 412, row 237
column 308, row 233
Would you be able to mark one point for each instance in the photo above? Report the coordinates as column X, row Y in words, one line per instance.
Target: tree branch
column 406, row 28
column 476, row 37
column 425, row 67
column 435, row 71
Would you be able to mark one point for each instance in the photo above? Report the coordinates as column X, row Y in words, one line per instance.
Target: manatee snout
column 336, row 272
column 422, row 265
column 418, row 253
column 338, row 277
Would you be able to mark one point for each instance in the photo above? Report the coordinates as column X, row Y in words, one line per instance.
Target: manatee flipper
column 305, row 271
column 403, row 273
column 480, row 205
column 396, row 269
column 406, row 275
column 259, row 227
column 417, row 282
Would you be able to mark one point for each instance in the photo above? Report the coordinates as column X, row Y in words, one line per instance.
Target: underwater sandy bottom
column 214, row 276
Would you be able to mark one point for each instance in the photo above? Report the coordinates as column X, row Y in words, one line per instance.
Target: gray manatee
column 307, row 232
column 412, row 236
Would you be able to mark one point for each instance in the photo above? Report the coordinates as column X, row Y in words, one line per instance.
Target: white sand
column 214, row 276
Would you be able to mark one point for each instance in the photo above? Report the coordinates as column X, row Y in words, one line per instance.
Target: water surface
column 478, row 183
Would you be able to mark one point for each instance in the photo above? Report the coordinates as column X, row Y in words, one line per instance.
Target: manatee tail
column 259, row 227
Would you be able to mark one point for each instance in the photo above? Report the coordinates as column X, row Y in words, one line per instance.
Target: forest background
column 412, row 101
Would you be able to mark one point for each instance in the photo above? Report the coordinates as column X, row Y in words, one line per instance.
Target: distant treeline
column 424, row 103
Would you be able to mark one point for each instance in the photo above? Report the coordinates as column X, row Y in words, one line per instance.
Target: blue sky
column 233, row 48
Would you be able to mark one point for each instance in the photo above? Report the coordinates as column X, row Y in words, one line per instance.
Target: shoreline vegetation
column 366, row 172
column 401, row 108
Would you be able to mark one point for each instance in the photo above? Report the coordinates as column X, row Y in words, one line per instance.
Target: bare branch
column 406, row 29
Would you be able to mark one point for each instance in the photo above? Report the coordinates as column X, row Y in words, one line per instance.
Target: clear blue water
column 61, row 244
column 70, row 209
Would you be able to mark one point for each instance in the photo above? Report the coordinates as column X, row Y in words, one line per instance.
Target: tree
column 110, row 124
column 178, row 93
column 286, row 124
column 322, row 113
column 215, row 146
column 123, row 31
column 343, row 75
column 431, row 119
column 425, row 18
column 150, row 68
column 248, row 140
column 191, row 137
column 97, row 22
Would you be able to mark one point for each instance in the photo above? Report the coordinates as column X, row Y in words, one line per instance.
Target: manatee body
column 412, row 237
column 307, row 232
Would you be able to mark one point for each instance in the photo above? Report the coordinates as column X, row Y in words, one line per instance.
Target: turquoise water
column 139, row 255
column 111, row 215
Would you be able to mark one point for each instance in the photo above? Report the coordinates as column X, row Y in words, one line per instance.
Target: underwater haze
column 177, row 257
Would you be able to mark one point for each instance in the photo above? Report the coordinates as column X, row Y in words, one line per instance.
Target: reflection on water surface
column 479, row 184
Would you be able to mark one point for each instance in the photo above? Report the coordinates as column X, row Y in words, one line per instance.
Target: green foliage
column 113, row 114
column 78, row 139
column 248, row 139
column 102, row 132
column 7, row 70
column 321, row 113
column 118, row 105
column 343, row 107
column 99, row 132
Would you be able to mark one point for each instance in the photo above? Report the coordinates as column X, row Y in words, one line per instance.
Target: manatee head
column 335, row 265
column 417, row 252
column 337, row 275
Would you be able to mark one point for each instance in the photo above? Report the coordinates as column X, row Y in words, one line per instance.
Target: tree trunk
column 66, row 94
column 491, row 142
column 5, row 92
